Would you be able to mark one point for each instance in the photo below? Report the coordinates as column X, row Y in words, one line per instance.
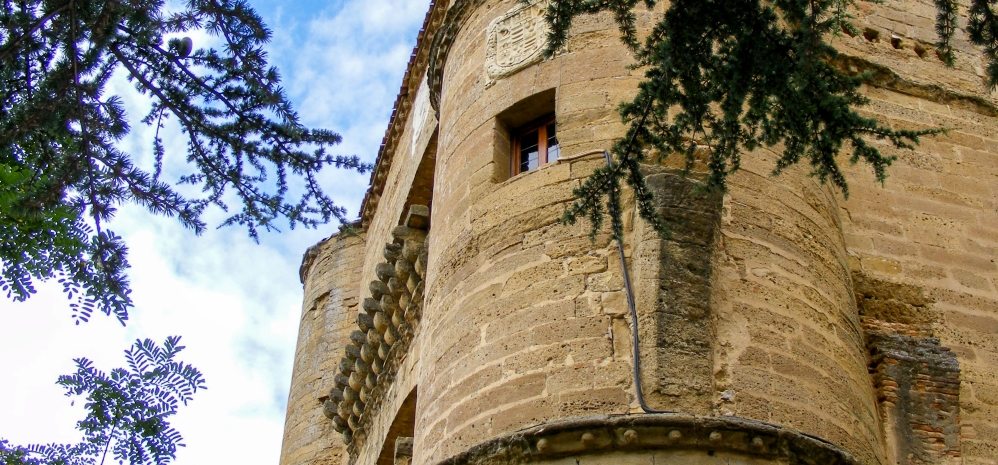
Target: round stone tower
column 778, row 324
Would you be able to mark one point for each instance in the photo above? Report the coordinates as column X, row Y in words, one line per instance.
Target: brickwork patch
column 917, row 380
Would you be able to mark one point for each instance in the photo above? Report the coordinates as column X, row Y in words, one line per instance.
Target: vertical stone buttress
column 329, row 273
column 673, row 278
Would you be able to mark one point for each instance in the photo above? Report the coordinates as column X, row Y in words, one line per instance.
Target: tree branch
column 8, row 49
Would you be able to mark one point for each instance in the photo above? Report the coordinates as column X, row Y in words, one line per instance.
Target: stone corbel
column 385, row 328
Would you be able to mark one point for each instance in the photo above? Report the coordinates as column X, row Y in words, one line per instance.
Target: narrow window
column 524, row 136
column 534, row 144
column 403, row 428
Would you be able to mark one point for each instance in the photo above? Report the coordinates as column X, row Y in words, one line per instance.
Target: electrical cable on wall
column 632, row 308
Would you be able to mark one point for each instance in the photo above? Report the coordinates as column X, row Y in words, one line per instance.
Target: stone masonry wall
column 673, row 279
column 329, row 312
column 516, row 335
column 410, row 150
column 933, row 226
column 413, row 147
column 790, row 348
column 523, row 319
column 750, row 310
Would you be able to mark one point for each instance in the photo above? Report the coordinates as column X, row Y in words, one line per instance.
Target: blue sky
column 236, row 303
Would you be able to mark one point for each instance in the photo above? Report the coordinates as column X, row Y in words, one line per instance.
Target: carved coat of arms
column 515, row 40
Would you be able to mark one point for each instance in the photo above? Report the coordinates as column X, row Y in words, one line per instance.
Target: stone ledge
column 652, row 432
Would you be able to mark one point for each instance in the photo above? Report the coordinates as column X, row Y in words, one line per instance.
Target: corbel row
column 386, row 327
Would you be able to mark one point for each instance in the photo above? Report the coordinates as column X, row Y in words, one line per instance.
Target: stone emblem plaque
column 515, row 40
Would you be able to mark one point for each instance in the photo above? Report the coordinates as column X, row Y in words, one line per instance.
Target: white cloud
column 236, row 303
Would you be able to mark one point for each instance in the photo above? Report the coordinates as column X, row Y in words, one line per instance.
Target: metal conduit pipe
column 632, row 308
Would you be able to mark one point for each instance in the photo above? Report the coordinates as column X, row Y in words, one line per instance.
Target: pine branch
column 983, row 31
column 8, row 49
column 58, row 138
column 945, row 27
column 725, row 78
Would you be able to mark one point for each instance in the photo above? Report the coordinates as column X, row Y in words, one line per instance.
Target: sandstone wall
column 673, row 281
column 408, row 181
column 790, row 347
column 328, row 316
column 379, row 445
column 523, row 314
column 933, row 226
column 773, row 303
column 410, row 149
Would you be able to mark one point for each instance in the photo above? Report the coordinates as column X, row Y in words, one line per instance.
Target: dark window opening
column 535, row 144
column 403, row 427
column 519, row 127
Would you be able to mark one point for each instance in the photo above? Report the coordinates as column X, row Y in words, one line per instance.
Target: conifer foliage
column 63, row 174
column 127, row 410
column 723, row 77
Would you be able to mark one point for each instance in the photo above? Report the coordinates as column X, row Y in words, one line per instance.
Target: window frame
column 539, row 125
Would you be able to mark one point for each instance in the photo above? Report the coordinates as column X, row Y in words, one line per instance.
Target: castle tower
column 460, row 322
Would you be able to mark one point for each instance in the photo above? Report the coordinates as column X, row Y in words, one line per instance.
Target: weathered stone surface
column 331, row 298
column 918, row 382
column 378, row 289
column 917, row 379
column 764, row 304
column 352, row 352
column 673, row 438
column 371, row 305
column 515, row 39
column 368, row 367
column 678, row 338
column 403, row 451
